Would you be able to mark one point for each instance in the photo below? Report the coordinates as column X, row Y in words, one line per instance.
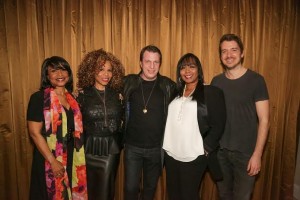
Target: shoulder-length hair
column 55, row 62
column 186, row 60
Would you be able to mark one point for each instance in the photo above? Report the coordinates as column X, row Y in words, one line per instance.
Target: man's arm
column 262, row 109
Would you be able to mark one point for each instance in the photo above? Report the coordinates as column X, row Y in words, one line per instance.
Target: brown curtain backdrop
column 31, row 30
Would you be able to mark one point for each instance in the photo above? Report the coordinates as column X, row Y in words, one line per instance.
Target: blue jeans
column 236, row 183
column 138, row 160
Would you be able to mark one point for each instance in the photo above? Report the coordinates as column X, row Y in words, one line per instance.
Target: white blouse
column 182, row 138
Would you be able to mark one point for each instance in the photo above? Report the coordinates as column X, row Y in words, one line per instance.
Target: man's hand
column 254, row 165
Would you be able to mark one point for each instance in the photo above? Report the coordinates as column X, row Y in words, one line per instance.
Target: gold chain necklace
column 103, row 100
column 145, row 110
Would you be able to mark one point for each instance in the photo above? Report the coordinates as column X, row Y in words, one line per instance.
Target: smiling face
column 189, row 72
column 58, row 77
column 150, row 65
column 230, row 54
column 103, row 75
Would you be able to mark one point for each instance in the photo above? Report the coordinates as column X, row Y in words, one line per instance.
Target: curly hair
column 92, row 63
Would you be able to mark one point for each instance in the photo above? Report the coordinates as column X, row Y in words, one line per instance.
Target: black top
column 101, row 138
column 240, row 96
column 146, row 130
column 35, row 110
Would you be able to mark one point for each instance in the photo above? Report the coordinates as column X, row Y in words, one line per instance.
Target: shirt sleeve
column 35, row 107
column 261, row 91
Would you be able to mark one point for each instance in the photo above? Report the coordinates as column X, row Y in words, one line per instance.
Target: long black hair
column 55, row 62
column 185, row 60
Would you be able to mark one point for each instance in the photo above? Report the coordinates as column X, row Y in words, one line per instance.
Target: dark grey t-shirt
column 240, row 96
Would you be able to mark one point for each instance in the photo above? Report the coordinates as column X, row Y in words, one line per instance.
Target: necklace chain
column 146, row 103
column 103, row 101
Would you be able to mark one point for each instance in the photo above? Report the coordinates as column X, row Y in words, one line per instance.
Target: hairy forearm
column 262, row 136
column 262, row 108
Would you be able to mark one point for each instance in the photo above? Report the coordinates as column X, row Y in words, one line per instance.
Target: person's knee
column 131, row 188
column 225, row 191
column 244, row 189
column 131, row 184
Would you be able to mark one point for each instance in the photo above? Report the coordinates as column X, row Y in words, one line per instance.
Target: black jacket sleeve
column 216, row 117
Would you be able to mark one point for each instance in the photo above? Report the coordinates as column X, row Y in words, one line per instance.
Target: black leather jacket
column 101, row 139
column 211, row 120
column 131, row 82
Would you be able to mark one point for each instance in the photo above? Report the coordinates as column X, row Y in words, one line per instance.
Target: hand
column 254, row 165
column 205, row 153
column 57, row 168
column 77, row 91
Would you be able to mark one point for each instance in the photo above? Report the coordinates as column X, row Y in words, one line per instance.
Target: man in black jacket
column 147, row 96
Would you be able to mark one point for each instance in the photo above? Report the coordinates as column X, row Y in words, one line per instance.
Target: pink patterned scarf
column 56, row 124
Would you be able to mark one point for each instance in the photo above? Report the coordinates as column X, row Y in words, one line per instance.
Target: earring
column 179, row 79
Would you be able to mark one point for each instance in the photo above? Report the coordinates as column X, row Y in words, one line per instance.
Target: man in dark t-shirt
column 246, row 130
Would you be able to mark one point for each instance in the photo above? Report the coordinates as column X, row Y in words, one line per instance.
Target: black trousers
column 101, row 175
column 184, row 178
column 140, row 161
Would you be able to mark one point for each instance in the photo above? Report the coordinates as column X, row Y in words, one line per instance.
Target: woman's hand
column 40, row 142
column 57, row 168
column 77, row 91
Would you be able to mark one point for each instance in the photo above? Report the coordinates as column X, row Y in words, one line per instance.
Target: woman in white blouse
column 195, row 123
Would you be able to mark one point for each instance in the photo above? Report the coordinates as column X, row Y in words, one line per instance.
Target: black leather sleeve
column 216, row 112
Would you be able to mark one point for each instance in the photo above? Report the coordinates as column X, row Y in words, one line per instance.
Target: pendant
column 145, row 110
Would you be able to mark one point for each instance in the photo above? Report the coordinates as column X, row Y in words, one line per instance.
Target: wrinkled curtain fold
column 31, row 30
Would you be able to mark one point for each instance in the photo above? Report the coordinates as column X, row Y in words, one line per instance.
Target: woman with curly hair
column 100, row 77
